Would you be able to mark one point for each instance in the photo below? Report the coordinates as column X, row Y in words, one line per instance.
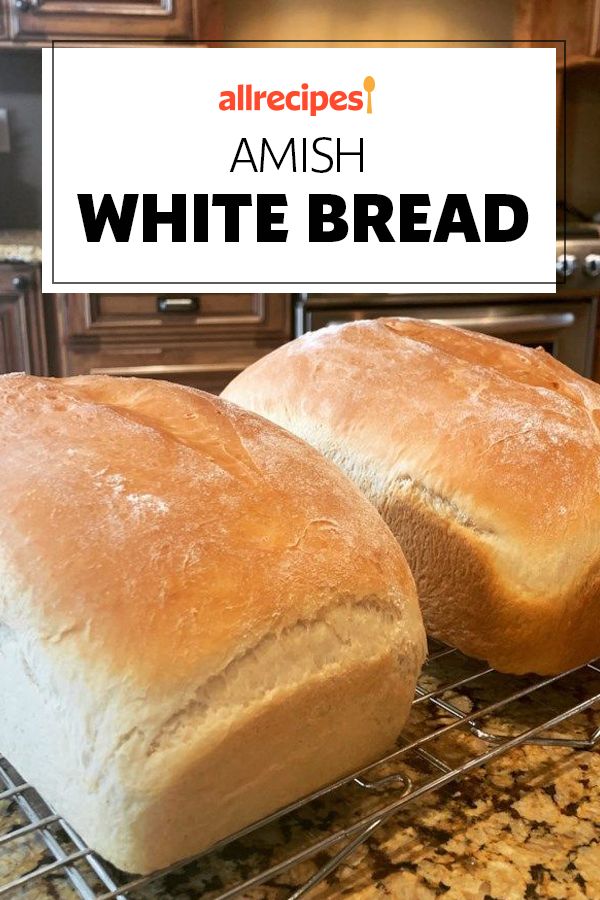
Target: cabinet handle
column 24, row 5
column 177, row 304
column 20, row 282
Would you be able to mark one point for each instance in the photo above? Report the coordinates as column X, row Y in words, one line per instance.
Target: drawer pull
column 177, row 304
column 20, row 282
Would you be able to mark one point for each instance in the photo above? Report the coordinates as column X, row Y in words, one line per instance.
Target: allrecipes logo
column 246, row 99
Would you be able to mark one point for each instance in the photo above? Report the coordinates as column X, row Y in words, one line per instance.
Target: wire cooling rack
column 464, row 715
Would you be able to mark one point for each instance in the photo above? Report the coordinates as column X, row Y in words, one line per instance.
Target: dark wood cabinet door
column 201, row 340
column 576, row 21
column 595, row 29
column 22, row 337
column 41, row 20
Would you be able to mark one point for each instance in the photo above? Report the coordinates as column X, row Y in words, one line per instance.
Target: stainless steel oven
column 565, row 328
column 564, row 323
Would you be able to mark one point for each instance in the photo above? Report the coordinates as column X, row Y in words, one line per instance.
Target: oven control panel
column 578, row 261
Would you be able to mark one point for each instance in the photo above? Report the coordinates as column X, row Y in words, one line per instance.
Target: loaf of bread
column 201, row 618
column 484, row 459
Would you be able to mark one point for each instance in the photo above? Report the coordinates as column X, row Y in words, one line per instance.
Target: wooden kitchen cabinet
column 576, row 21
column 22, row 335
column 202, row 340
column 41, row 21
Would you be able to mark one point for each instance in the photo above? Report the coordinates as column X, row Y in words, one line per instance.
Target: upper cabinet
column 41, row 21
column 576, row 21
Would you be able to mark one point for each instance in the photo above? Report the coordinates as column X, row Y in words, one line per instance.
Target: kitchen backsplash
column 583, row 139
column 21, row 169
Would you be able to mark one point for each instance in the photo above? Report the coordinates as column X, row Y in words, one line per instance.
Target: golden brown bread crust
column 484, row 459
column 179, row 577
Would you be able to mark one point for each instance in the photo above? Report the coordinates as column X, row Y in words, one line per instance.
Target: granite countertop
column 527, row 826
column 19, row 245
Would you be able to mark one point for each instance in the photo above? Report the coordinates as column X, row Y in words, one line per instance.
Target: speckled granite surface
column 527, row 826
column 17, row 245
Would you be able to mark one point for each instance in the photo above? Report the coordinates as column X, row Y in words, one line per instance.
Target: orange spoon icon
column 369, row 86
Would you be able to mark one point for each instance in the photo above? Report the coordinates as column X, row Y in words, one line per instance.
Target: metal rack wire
column 464, row 715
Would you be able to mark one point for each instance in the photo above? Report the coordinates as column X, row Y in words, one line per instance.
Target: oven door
column 566, row 329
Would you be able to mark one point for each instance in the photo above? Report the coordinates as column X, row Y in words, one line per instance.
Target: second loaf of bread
column 484, row 459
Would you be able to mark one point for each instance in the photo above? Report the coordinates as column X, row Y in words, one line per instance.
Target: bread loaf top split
column 499, row 441
column 173, row 484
